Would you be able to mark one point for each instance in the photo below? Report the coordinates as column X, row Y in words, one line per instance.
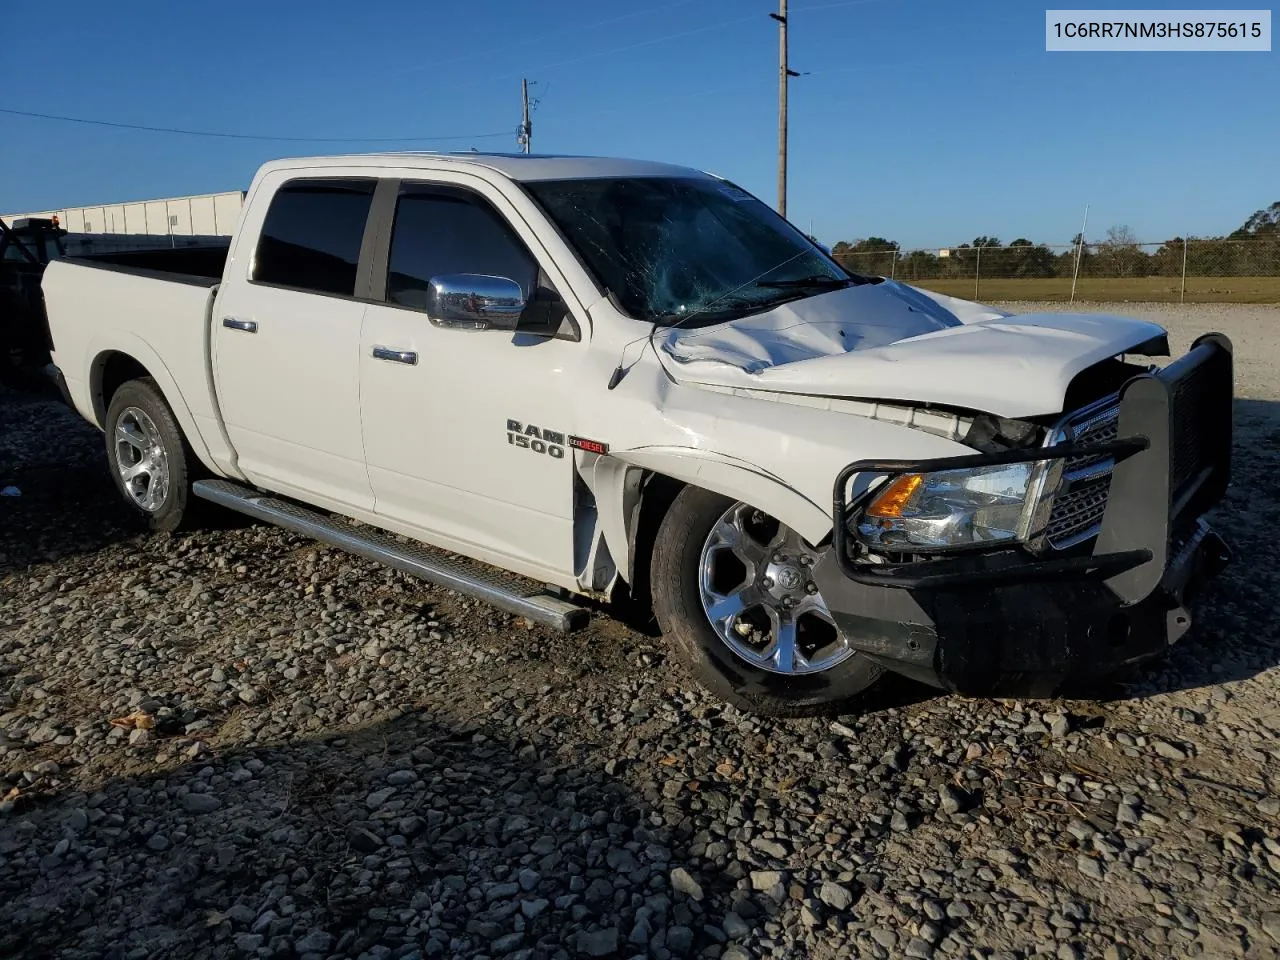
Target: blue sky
column 925, row 121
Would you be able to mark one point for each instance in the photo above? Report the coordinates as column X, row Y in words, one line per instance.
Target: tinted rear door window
column 312, row 235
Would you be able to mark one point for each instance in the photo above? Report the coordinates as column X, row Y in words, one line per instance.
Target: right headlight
column 955, row 509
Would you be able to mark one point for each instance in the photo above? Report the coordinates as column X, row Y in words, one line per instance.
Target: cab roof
column 514, row 166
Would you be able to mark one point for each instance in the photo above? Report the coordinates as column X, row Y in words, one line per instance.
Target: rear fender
column 138, row 349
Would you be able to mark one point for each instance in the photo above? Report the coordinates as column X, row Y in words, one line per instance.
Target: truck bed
column 153, row 306
column 199, row 265
column 25, row 338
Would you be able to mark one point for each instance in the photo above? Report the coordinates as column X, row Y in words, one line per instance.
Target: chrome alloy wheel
column 757, row 589
column 141, row 459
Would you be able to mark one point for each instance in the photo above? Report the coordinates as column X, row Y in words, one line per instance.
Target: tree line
column 1253, row 249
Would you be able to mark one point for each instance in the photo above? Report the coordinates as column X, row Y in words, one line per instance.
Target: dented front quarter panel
column 750, row 410
column 782, row 458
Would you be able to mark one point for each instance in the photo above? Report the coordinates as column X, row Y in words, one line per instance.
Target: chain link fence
column 1179, row 271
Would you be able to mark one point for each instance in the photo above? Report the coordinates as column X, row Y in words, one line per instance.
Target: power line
column 536, row 102
column 526, row 42
column 449, row 137
column 677, row 36
column 523, row 44
column 832, row 6
column 895, row 69
column 758, row 81
column 685, row 33
column 609, row 51
column 479, row 136
column 542, row 68
column 243, row 136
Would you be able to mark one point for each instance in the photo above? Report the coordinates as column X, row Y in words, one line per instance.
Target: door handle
column 248, row 326
column 395, row 356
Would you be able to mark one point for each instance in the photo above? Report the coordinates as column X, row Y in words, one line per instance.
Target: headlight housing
column 956, row 509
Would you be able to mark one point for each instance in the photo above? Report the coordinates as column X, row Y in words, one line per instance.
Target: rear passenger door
column 286, row 340
column 465, row 430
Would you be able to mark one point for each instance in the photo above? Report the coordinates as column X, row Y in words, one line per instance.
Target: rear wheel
column 734, row 594
column 150, row 460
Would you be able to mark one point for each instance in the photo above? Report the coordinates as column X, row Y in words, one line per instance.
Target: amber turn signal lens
column 896, row 495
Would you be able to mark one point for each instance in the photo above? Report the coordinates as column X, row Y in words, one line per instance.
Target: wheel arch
column 637, row 489
column 111, row 370
column 112, row 367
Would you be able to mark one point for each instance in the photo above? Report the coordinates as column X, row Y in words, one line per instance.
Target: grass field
column 1099, row 289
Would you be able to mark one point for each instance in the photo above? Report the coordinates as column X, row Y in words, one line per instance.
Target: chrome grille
column 1101, row 432
column 1086, row 479
column 1077, row 514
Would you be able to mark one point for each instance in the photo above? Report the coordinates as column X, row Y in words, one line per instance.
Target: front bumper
column 1014, row 624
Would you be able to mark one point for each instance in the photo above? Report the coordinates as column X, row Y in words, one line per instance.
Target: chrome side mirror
column 474, row 301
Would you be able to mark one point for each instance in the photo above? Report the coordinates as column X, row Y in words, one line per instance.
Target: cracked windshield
column 674, row 249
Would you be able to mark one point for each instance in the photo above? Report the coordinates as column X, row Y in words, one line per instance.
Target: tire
column 676, row 570
column 161, row 491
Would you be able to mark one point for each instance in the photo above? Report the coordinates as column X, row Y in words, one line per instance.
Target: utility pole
column 1075, row 274
column 525, row 135
column 784, row 73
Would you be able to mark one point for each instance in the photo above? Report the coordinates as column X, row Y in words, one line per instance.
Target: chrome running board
column 373, row 544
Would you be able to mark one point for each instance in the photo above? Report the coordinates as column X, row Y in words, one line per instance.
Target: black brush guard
column 1008, row 619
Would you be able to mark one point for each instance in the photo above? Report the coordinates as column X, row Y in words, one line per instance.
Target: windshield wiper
column 823, row 281
column 727, row 305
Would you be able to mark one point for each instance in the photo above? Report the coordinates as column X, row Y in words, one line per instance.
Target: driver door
column 465, row 430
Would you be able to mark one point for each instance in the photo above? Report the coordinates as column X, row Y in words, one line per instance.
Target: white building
column 205, row 215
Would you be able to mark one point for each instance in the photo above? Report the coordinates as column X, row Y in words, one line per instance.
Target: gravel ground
column 238, row 743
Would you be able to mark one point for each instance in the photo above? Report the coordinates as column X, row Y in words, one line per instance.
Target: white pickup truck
column 606, row 375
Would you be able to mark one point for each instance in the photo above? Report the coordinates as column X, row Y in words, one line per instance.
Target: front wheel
column 734, row 595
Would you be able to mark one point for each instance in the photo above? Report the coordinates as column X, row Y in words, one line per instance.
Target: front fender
column 738, row 480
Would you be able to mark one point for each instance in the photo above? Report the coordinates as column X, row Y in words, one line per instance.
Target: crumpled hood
column 888, row 341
